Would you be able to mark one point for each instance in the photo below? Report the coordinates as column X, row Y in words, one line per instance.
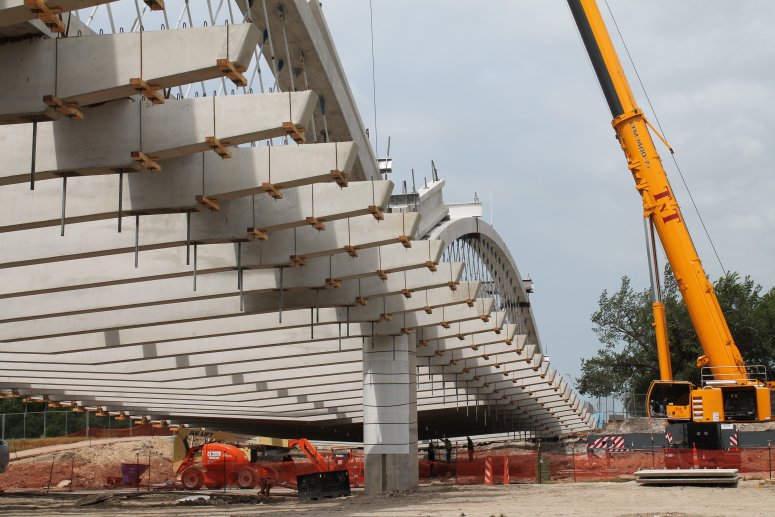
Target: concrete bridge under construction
column 194, row 228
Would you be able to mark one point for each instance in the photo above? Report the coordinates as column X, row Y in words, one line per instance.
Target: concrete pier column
column 390, row 413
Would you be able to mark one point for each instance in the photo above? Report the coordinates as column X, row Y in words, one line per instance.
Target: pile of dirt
column 634, row 425
column 95, row 466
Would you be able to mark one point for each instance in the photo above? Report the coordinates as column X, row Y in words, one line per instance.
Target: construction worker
column 431, row 456
column 448, row 449
column 470, row 449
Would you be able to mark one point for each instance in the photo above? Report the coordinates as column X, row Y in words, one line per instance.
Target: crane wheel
column 192, row 479
column 246, row 478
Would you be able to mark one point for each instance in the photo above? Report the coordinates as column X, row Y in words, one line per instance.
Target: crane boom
column 731, row 393
column 659, row 202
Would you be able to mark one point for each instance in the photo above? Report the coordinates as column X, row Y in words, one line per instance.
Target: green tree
column 627, row 363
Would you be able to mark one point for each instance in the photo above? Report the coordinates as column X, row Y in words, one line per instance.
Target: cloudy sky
column 501, row 95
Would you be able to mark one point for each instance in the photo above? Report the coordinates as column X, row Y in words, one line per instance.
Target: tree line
column 627, row 362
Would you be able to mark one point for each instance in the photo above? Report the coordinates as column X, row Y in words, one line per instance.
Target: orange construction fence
column 498, row 467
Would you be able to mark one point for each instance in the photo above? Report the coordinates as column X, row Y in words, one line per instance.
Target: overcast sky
column 501, row 95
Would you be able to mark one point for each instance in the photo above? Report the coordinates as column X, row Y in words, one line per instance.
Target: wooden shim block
column 299, row 260
column 149, row 91
column 295, row 132
column 376, row 212
column 461, row 337
column 340, row 177
column 452, row 362
column 466, row 370
column 69, row 109
column 505, row 374
column 333, row 282
column 470, row 302
column 351, row 250
column 405, row 241
column 508, row 341
column 484, row 317
column 382, row 274
column 48, row 15
column 232, row 71
column 146, row 162
column 422, row 342
column 485, row 356
column 218, row 146
column 474, row 347
column 272, row 190
column 445, row 324
column 407, row 293
column 316, row 223
column 513, row 381
column 452, row 285
column 155, row 5
column 406, row 331
column 428, row 309
column 385, row 317
column 497, row 330
column 431, row 265
column 360, row 300
column 438, row 353
column 205, row 202
column 257, row 235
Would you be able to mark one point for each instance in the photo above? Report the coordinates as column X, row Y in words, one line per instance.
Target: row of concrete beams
column 62, row 80
column 147, row 134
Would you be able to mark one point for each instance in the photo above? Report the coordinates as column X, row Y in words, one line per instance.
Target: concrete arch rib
column 452, row 230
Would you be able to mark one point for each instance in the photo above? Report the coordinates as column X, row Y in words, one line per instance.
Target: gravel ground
column 751, row 498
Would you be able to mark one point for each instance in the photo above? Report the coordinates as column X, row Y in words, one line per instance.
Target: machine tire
column 192, row 479
column 246, row 478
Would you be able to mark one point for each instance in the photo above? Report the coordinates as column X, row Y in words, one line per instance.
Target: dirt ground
column 751, row 498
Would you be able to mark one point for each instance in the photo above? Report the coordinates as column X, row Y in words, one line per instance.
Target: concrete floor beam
column 162, row 59
column 103, row 142
column 247, row 173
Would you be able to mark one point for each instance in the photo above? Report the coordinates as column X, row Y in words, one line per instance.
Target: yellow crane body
column 731, row 392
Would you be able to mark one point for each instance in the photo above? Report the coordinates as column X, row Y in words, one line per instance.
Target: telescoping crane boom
column 730, row 391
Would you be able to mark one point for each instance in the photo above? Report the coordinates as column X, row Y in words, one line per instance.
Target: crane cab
column 671, row 400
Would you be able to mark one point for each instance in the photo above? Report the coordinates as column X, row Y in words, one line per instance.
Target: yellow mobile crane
column 730, row 390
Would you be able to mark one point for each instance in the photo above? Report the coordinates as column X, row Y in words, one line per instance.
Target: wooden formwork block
column 466, row 370
column 406, row 331
column 382, row 274
column 256, row 234
column 439, row 353
column 377, row 212
column 218, row 146
column 48, row 15
column 461, row 337
column 485, row 356
column 70, row 109
column 405, row 241
column 385, row 316
column 351, row 250
column 339, row 177
column 497, row 330
column 407, row 293
column 155, row 5
column 431, row 265
column 149, row 91
column 295, row 132
column 445, row 324
column 428, row 309
column 232, row 71
column 470, row 302
column 360, row 300
column 299, row 260
column 333, row 282
column 452, row 285
column 273, row 191
column 422, row 342
column 145, row 161
column 316, row 223
column 508, row 341
column 474, row 347
column 204, row 202
column 484, row 317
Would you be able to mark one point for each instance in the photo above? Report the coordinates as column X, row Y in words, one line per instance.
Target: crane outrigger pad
column 671, row 477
